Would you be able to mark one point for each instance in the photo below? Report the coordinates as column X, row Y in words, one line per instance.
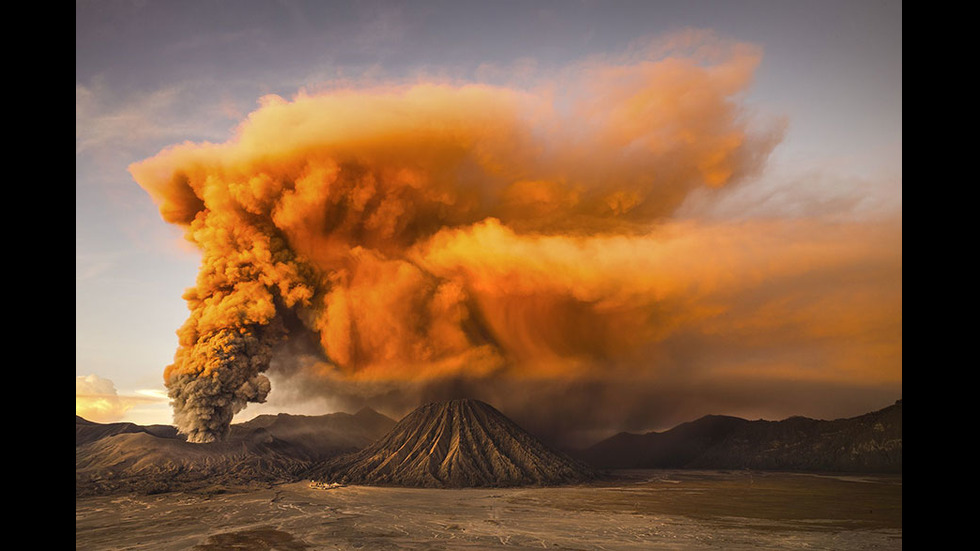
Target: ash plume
column 414, row 234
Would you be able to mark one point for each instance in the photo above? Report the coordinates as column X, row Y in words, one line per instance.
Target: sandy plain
column 655, row 509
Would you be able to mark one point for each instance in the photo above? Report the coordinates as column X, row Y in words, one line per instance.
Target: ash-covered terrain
column 638, row 511
column 460, row 474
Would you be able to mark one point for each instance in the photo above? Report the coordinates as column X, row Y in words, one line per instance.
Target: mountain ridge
column 124, row 457
column 270, row 449
column 871, row 442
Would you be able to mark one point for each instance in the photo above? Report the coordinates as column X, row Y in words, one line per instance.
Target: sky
column 646, row 211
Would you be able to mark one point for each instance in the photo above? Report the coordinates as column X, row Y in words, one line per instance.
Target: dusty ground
column 644, row 510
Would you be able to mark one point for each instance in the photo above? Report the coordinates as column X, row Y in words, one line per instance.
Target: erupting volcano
column 394, row 244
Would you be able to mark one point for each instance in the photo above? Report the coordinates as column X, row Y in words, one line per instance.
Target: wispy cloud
column 102, row 122
column 108, row 121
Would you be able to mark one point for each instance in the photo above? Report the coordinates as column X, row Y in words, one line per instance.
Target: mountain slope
column 88, row 431
column 123, row 457
column 867, row 443
column 455, row 444
column 320, row 436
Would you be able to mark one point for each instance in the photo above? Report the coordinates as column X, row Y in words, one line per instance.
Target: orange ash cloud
column 428, row 231
column 608, row 300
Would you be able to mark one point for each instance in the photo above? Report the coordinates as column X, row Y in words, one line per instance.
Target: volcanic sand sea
column 652, row 509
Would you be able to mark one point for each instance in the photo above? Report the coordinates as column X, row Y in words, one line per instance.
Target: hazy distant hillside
column 867, row 443
column 123, row 457
column 455, row 444
column 87, row 431
column 320, row 436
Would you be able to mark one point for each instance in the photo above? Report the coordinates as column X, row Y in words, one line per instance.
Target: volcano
column 455, row 444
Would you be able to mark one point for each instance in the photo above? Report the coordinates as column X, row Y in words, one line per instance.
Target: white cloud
column 96, row 399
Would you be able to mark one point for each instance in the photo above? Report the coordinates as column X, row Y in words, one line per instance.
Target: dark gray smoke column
column 247, row 276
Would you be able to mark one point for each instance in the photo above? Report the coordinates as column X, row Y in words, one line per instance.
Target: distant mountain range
column 455, row 444
column 867, row 443
column 460, row 443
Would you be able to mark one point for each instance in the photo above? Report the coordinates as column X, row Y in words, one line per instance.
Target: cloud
column 101, row 122
column 96, row 399
column 115, row 126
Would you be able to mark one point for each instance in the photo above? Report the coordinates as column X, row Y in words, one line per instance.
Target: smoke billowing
column 387, row 245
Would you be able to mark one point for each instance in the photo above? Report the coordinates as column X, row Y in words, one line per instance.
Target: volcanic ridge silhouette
column 455, row 444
